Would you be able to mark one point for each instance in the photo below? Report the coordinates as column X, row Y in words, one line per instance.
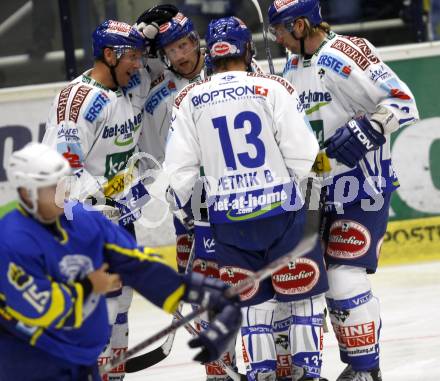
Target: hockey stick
column 305, row 245
column 146, row 360
column 266, row 41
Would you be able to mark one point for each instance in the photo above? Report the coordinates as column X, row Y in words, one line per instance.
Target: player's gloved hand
column 209, row 293
column 351, row 142
column 216, row 339
column 206, row 292
column 149, row 21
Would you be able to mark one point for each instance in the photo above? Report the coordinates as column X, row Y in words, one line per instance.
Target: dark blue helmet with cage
column 228, row 37
column 178, row 27
column 117, row 35
column 285, row 11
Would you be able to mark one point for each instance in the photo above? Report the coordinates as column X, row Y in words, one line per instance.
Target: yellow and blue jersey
column 43, row 297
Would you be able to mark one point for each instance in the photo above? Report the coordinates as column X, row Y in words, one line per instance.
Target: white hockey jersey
column 158, row 109
column 252, row 138
column 345, row 78
column 95, row 128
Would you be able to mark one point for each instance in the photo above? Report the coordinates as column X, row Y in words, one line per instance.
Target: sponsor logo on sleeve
column 348, row 240
column 62, row 103
column 72, row 152
column 184, row 92
column 158, row 96
column 96, row 106
column 363, row 46
column 234, row 276
column 292, row 64
column 298, row 277
column 335, row 64
column 354, row 54
column 77, row 102
column 275, row 78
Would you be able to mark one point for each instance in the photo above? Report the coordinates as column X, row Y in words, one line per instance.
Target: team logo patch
column 282, row 4
column 75, row 267
column 223, row 48
column 298, row 277
column 348, row 240
column 233, row 276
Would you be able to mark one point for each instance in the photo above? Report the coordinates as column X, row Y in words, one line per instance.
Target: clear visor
column 181, row 48
column 278, row 30
column 132, row 55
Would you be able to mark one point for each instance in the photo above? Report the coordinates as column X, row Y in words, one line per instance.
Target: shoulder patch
column 184, row 92
column 77, row 101
column 275, row 78
column 363, row 46
column 62, row 102
column 351, row 52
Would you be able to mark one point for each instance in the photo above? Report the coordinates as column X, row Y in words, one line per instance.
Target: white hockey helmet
column 34, row 166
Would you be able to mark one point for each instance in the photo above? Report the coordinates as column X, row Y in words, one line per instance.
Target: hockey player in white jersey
column 178, row 46
column 95, row 122
column 355, row 102
column 249, row 133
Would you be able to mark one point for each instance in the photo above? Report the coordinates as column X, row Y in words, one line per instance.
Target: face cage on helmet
column 193, row 35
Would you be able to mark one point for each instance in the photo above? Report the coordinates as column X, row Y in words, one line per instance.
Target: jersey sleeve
column 141, row 268
column 293, row 132
column 32, row 297
column 75, row 118
column 183, row 155
column 71, row 127
column 369, row 83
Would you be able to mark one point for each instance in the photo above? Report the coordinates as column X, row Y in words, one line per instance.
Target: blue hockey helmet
column 284, row 11
column 227, row 37
column 178, row 27
column 118, row 35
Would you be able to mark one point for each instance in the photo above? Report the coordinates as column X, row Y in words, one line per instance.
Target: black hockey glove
column 149, row 21
column 209, row 293
column 351, row 142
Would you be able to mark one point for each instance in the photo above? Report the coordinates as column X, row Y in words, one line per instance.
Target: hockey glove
column 221, row 331
column 351, row 142
column 206, row 292
column 148, row 23
column 209, row 293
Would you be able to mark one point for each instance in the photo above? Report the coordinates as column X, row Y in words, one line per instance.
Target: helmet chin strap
column 112, row 70
column 33, row 210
